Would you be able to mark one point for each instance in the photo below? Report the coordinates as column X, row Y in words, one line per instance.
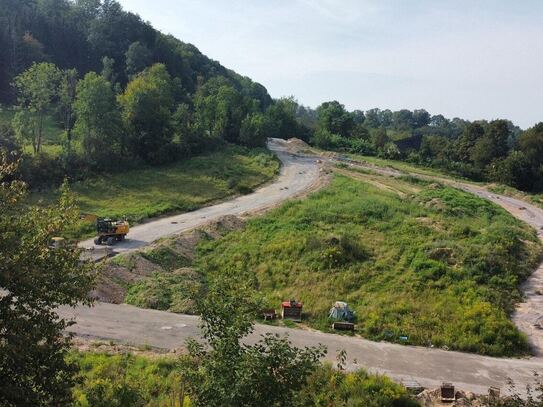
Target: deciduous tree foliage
column 34, row 280
column 269, row 373
column 147, row 106
column 98, row 119
column 37, row 87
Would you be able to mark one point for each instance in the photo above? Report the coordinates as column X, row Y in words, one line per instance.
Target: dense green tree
column 98, row 119
column 380, row 138
column 138, row 57
column 8, row 141
column 334, row 118
column 282, row 115
column 147, row 107
column 464, row 145
column 220, row 109
column 403, row 120
column 435, row 147
column 24, row 124
column 493, row 145
column 531, row 144
column 515, row 170
column 35, row 279
column 108, row 70
column 256, row 128
column 421, row 118
column 37, row 87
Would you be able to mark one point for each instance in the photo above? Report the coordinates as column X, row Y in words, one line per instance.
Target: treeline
column 123, row 93
column 495, row 151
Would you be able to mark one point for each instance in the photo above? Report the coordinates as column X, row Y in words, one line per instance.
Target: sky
column 473, row 59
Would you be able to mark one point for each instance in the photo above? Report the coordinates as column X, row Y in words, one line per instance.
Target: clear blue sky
column 472, row 59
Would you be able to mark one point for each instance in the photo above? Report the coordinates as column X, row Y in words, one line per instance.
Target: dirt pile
column 169, row 258
column 297, row 146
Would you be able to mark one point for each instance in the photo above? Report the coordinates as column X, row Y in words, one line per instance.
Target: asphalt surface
column 427, row 366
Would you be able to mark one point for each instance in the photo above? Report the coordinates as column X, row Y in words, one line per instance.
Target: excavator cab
column 110, row 231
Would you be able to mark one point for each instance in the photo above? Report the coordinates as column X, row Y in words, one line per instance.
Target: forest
column 89, row 88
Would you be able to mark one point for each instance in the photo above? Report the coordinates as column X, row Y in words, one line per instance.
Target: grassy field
column 419, row 263
column 128, row 380
column 181, row 187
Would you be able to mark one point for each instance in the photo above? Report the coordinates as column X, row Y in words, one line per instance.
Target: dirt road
column 299, row 174
column 427, row 366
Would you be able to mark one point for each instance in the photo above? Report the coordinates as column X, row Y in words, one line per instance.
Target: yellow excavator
column 110, row 231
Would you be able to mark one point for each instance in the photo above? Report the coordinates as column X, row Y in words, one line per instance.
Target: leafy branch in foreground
column 233, row 373
column 35, row 279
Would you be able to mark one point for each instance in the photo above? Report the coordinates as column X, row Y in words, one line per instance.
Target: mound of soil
column 124, row 270
column 295, row 145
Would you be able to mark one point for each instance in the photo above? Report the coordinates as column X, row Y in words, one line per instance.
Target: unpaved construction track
column 429, row 367
column 299, row 174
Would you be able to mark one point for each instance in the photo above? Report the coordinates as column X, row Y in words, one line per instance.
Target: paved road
column 428, row 366
column 298, row 175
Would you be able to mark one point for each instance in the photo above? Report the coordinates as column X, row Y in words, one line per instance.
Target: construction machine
column 111, row 231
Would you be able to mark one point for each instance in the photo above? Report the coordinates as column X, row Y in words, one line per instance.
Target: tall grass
column 180, row 187
column 440, row 267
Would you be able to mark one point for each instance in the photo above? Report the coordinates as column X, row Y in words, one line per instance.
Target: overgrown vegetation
column 127, row 380
column 420, row 264
column 179, row 187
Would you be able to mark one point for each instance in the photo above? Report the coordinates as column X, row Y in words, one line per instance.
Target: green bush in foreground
column 125, row 380
column 440, row 267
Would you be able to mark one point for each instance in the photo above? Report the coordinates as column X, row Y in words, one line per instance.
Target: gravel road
column 429, row 367
column 299, row 174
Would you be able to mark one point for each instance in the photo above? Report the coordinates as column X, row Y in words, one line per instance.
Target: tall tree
column 37, row 87
column 282, row 115
column 66, row 98
column 471, row 135
column 35, row 279
column 147, row 107
column 98, row 118
column 531, row 143
column 493, row 145
column 220, row 108
column 255, row 130
column 334, row 118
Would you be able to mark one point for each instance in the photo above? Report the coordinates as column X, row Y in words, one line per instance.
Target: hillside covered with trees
column 96, row 88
